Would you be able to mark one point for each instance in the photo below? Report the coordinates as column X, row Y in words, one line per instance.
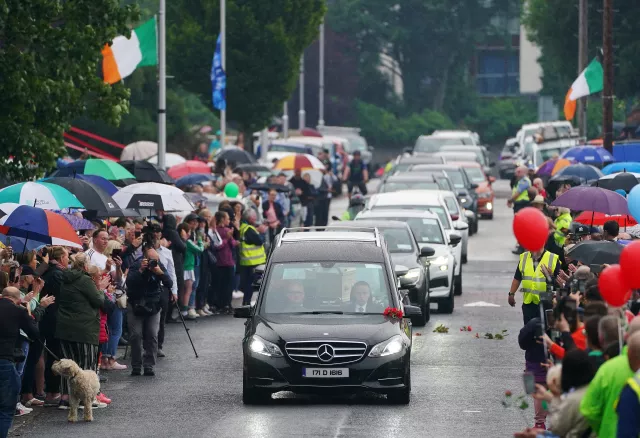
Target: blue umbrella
column 194, row 178
column 584, row 171
column 623, row 166
column 589, row 155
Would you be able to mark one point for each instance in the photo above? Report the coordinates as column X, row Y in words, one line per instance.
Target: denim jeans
column 192, row 298
column 9, row 392
column 114, row 322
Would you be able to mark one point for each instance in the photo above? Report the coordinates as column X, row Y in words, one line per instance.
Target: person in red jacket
column 571, row 330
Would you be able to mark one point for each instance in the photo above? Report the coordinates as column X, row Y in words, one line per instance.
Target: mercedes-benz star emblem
column 325, row 352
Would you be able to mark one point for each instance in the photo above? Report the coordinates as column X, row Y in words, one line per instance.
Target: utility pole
column 301, row 111
column 321, row 81
column 607, row 92
column 162, row 86
column 583, row 53
column 285, row 120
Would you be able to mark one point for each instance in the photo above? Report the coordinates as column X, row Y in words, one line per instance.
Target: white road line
column 481, row 304
column 471, row 412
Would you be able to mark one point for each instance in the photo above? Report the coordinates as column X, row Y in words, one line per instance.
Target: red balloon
column 531, row 228
column 630, row 265
column 613, row 287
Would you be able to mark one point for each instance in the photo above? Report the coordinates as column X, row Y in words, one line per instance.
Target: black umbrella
column 124, row 182
column 556, row 181
column 267, row 187
column 95, row 199
column 593, row 252
column 252, row 167
column 619, row 181
column 233, row 154
column 147, row 172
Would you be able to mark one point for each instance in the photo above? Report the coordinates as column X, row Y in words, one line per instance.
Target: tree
column 264, row 43
column 49, row 57
column 553, row 26
column 429, row 39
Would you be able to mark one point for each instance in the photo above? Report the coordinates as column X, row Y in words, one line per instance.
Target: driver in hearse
column 361, row 300
column 293, row 295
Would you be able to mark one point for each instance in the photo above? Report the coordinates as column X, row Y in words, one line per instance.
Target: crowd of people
column 582, row 353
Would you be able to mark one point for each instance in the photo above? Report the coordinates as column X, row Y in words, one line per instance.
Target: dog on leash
column 84, row 385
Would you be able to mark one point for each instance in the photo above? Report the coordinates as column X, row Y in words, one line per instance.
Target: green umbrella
column 41, row 195
column 95, row 166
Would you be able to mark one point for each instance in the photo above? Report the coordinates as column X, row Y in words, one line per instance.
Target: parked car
column 486, row 195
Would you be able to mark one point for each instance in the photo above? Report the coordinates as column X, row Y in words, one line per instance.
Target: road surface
column 458, row 380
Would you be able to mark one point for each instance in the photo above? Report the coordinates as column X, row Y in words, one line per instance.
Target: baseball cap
column 191, row 217
column 582, row 230
column 538, row 200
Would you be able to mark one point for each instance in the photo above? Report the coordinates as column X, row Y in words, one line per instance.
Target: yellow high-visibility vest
column 524, row 196
column 250, row 255
column 533, row 280
column 562, row 221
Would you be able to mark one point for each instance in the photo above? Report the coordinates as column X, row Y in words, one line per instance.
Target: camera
column 152, row 264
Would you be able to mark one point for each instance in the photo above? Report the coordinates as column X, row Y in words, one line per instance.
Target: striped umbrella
column 40, row 194
column 299, row 162
column 37, row 225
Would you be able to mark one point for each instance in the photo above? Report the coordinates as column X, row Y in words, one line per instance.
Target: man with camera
column 145, row 283
column 13, row 318
column 535, row 271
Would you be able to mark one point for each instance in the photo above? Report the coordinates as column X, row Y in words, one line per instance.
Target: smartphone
column 116, row 252
column 529, row 383
column 12, row 274
column 596, row 269
column 548, row 316
column 137, row 234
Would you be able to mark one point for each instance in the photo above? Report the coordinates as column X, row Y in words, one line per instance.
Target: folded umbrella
column 623, row 166
column 589, row 155
column 147, row 172
column 592, row 199
column 37, row 225
column 40, row 194
column 593, row 252
column 145, row 197
column 96, row 166
column 618, row 181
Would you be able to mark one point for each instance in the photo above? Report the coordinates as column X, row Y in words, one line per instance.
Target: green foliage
column 264, row 43
column 553, row 26
column 49, row 56
column 497, row 119
column 383, row 128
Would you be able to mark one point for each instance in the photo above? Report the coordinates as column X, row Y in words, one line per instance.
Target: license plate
column 327, row 373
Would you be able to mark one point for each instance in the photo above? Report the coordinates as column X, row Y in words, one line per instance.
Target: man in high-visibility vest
column 520, row 191
column 628, row 407
column 533, row 270
column 562, row 225
column 252, row 253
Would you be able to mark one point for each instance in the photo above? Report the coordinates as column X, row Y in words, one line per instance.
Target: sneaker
column 21, row 407
column 208, row 312
column 149, row 372
column 201, row 312
column 206, row 308
column 21, row 412
column 95, row 405
column 136, row 372
column 160, row 353
column 103, row 398
column 63, row 405
column 175, row 315
column 34, row 402
column 191, row 314
column 118, row 366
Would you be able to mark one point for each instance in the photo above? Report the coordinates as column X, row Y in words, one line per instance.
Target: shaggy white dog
column 84, row 385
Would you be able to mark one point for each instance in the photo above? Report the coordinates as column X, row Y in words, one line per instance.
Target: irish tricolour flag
column 590, row 81
column 124, row 55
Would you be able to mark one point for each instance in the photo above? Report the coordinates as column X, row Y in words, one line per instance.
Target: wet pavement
column 458, row 380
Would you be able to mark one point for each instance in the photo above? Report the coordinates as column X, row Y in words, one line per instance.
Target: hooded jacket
column 79, row 302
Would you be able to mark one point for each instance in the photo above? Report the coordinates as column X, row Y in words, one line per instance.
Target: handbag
column 121, row 300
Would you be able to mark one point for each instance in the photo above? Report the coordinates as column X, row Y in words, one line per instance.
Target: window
column 475, row 174
column 433, row 144
column 317, row 287
column 398, row 240
column 425, row 230
column 498, row 73
column 437, row 210
column 452, row 205
column 414, row 185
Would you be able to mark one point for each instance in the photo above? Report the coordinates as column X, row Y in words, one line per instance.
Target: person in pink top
column 225, row 264
column 272, row 212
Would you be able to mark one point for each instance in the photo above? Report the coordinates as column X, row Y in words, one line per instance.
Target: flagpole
column 285, row 120
column 223, row 56
column 162, row 86
column 301, row 112
column 321, row 82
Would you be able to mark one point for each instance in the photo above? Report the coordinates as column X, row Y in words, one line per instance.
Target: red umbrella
column 310, row 132
column 187, row 168
column 595, row 218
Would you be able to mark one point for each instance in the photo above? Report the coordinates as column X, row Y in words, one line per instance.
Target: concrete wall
column 530, row 70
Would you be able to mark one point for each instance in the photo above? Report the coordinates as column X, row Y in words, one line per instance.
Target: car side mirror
column 400, row 270
column 461, row 226
column 427, row 251
column 335, row 218
column 473, row 186
column 410, row 311
column 455, row 239
column 242, row 312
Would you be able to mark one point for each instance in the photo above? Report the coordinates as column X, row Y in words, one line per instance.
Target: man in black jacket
column 178, row 249
column 144, row 284
column 13, row 318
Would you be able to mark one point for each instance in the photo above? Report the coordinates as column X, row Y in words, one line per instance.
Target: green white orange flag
column 124, row 55
column 590, row 81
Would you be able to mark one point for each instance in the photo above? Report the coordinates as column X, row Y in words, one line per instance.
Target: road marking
column 471, row 412
column 481, row 304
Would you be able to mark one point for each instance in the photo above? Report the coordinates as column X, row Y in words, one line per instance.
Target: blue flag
column 218, row 80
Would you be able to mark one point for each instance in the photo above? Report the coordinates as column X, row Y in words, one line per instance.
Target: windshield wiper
column 322, row 312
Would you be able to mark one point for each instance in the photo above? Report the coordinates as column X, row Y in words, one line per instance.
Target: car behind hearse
column 318, row 324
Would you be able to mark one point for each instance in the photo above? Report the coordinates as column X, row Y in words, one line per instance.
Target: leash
column 45, row 347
